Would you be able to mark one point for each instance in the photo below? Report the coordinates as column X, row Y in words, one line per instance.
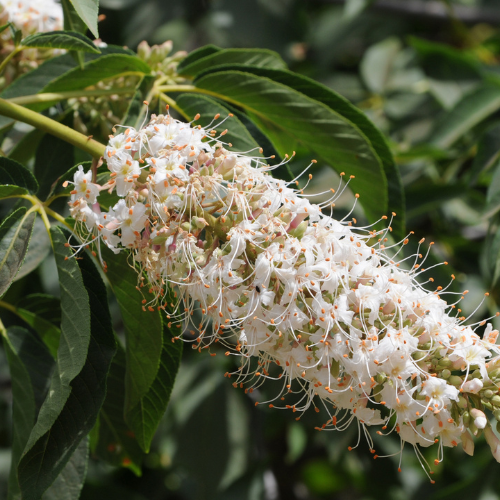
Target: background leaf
column 467, row 113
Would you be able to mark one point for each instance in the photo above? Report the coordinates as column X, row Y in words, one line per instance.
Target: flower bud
column 494, row 443
column 454, row 380
column 473, row 386
column 479, row 417
column 467, row 443
column 495, row 400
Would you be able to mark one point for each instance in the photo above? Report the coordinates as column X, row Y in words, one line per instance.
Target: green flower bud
column 496, row 414
column 445, row 362
column 462, row 402
column 445, row 374
column 454, row 380
column 466, row 418
column 495, row 400
column 488, row 393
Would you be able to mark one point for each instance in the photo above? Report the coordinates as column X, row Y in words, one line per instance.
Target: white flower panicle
column 28, row 17
column 320, row 307
column 32, row 16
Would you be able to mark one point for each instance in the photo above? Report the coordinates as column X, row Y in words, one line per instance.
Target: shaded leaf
column 493, row 194
column 77, row 392
column 145, row 416
column 69, row 482
column 468, row 112
column 143, row 332
column 15, row 234
column 116, row 442
column 252, row 57
column 31, row 367
column 15, row 179
column 287, row 117
column 53, row 158
column 488, row 152
column 88, row 11
column 69, row 40
column 43, row 313
column 26, row 147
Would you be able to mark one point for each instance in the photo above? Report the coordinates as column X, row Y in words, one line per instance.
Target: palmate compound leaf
column 15, row 234
column 152, row 360
column 289, row 117
column 78, row 385
column 340, row 105
column 69, row 40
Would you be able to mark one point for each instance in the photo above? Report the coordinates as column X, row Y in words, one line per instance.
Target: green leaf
column 143, row 332
column 15, row 179
column 69, row 483
column 137, row 110
column 106, row 66
column 58, row 185
column 196, row 55
column 251, row 57
column 88, row 10
column 488, row 152
column 43, row 313
column 377, row 63
column 78, row 386
column 35, row 81
column 38, row 250
column 69, row 40
column 289, row 117
column 15, row 234
column 338, row 104
column 75, row 310
column 493, row 194
column 116, row 442
column 53, row 158
column 72, row 21
column 468, row 112
column 25, row 149
column 4, row 27
column 353, row 8
column 30, row 367
column 145, row 416
column 237, row 134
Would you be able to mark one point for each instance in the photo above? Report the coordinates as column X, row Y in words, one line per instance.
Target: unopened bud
column 495, row 400
column 445, row 374
column 454, row 380
column 473, row 386
column 479, row 417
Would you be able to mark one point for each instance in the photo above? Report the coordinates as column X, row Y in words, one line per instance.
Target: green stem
column 50, row 126
column 59, row 96
column 173, row 104
column 57, row 217
column 9, row 57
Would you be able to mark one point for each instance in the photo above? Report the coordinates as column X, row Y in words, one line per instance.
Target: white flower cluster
column 305, row 300
column 29, row 17
column 32, row 16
